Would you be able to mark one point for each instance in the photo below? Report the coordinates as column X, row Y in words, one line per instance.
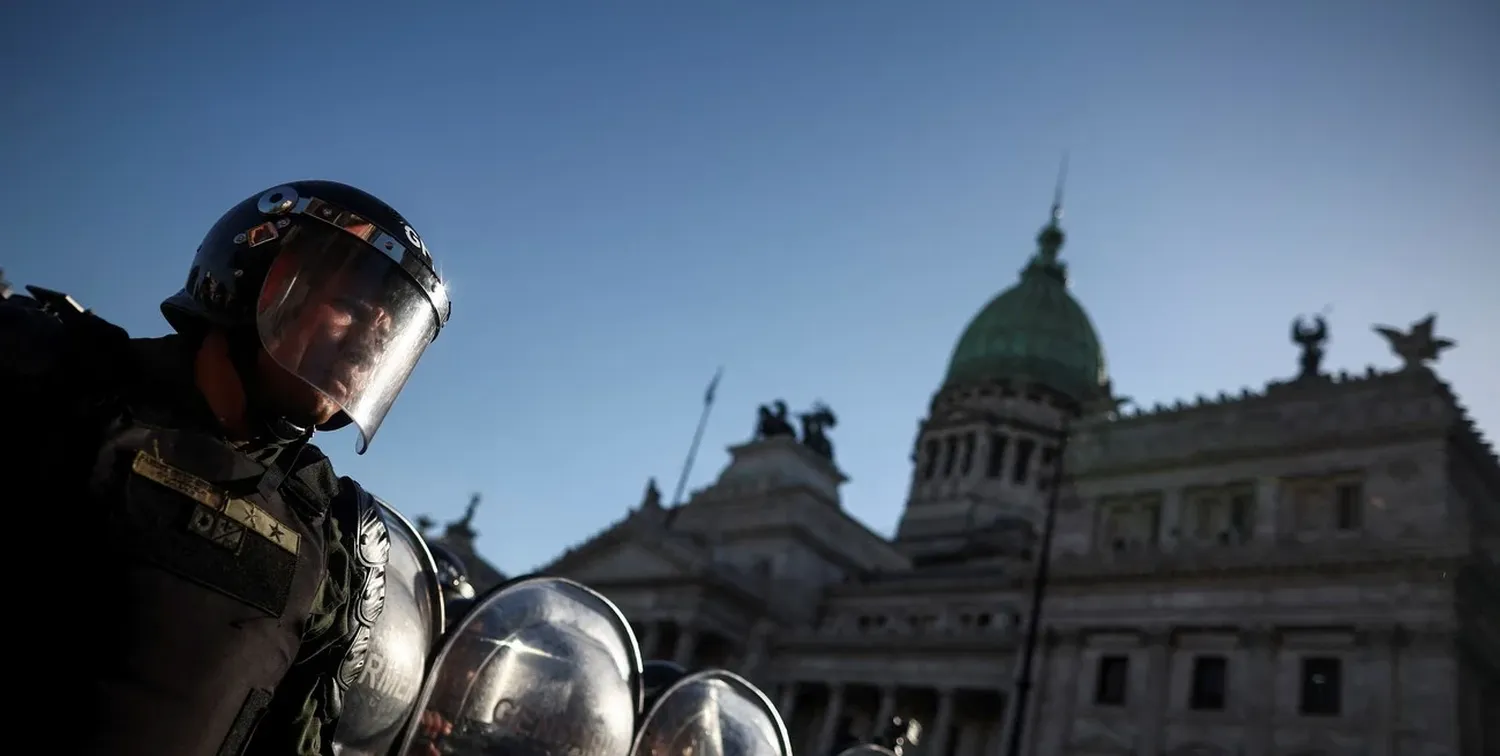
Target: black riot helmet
column 657, row 675
column 331, row 282
column 453, row 574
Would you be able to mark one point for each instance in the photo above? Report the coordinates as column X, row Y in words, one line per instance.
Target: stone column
column 831, row 716
column 1259, row 689
column 1034, row 465
column 1059, row 696
column 1007, row 458
column 942, row 728
column 1382, row 654
column 1171, row 521
column 1268, row 519
column 651, row 640
column 1152, row 713
column 755, row 650
column 788, row 703
column 687, row 646
column 1042, row 685
column 884, row 712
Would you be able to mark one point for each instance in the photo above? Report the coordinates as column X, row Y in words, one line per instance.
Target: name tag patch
column 222, row 520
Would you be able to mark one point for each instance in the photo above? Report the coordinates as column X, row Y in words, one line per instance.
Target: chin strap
column 267, row 426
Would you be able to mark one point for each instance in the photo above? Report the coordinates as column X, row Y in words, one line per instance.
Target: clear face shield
column 349, row 309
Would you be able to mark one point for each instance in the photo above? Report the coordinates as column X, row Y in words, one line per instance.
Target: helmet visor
column 345, row 318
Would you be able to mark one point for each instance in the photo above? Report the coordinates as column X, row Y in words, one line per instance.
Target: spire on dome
column 1050, row 240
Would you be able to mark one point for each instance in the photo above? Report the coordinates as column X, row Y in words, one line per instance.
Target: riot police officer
column 238, row 578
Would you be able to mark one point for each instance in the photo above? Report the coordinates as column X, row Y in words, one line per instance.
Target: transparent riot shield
column 539, row 666
column 379, row 704
column 713, row 713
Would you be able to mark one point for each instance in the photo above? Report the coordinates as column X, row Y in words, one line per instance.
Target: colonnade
column 823, row 717
column 686, row 643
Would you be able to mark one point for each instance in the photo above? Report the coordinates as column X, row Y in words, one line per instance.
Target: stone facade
column 1308, row 569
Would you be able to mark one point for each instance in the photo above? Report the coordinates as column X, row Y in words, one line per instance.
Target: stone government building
column 1308, row 570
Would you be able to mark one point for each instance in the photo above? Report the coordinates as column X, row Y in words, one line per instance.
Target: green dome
column 1034, row 331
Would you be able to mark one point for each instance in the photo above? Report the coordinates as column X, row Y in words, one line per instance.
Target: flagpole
column 687, row 466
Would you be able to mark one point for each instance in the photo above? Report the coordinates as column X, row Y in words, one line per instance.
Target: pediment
column 623, row 561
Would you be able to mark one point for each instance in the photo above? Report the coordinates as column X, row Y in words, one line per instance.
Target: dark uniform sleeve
column 311, row 698
column 50, row 376
column 330, row 634
column 31, row 351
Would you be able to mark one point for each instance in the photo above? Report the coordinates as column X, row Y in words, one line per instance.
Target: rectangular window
column 1349, row 499
column 1047, row 469
column 1210, row 679
column 996, row 463
column 931, row 451
column 950, row 454
column 1208, row 516
column 1114, row 675
column 968, row 460
column 1322, row 687
column 1024, row 449
column 1242, row 515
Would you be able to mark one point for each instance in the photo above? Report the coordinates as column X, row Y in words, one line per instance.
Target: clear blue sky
column 816, row 194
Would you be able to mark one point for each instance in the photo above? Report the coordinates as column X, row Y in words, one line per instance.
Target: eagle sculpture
column 1417, row 346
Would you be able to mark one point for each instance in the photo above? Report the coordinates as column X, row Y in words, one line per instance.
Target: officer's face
column 337, row 339
column 344, row 335
column 301, row 403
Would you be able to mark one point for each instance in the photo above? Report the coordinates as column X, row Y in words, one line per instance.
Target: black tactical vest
column 211, row 587
column 203, row 584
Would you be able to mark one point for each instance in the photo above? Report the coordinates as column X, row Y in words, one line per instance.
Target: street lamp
column 1022, row 688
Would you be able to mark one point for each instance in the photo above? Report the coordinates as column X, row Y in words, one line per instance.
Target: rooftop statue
column 1311, row 339
column 815, row 426
column 772, row 421
column 1418, row 346
column 652, row 497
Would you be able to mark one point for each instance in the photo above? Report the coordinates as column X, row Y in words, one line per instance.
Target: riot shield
column 379, row 704
column 713, row 713
column 539, row 666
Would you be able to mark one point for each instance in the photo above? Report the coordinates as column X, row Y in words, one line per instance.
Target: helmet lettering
column 416, row 241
